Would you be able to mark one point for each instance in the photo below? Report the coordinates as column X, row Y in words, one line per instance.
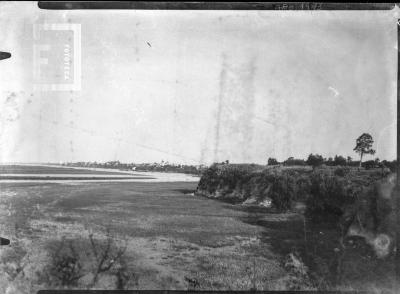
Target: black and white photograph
column 191, row 149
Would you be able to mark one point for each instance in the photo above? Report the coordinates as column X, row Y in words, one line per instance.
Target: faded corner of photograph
column 197, row 149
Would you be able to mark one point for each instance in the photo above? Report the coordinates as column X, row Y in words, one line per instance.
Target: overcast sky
column 202, row 86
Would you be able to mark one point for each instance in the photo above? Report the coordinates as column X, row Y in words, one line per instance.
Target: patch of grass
column 227, row 272
column 184, row 246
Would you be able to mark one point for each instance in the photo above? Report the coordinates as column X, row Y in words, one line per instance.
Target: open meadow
column 160, row 235
column 173, row 239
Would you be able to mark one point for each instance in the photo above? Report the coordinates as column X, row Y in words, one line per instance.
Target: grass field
column 171, row 239
column 171, row 234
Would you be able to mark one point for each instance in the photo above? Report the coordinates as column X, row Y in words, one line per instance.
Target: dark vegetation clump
column 209, row 180
column 223, row 179
column 326, row 191
column 241, row 182
column 89, row 259
column 291, row 161
column 369, row 164
column 66, row 268
column 392, row 165
column 342, row 171
column 272, row 161
column 329, row 195
column 282, row 191
column 315, row 160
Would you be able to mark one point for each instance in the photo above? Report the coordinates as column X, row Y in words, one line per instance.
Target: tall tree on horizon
column 364, row 145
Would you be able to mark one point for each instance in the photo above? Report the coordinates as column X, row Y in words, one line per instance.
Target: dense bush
column 294, row 161
column 339, row 160
column 241, row 182
column 66, row 266
column 329, row 194
column 282, row 191
column 272, row 161
column 231, row 177
column 370, row 164
column 225, row 178
column 314, row 160
column 342, row 171
column 392, row 165
column 209, row 180
column 77, row 263
column 326, row 191
column 302, row 186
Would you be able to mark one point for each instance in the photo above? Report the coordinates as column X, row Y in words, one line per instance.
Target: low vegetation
column 86, row 262
column 345, row 203
column 314, row 224
column 238, row 183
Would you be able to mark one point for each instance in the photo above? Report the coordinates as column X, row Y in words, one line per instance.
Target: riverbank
column 343, row 216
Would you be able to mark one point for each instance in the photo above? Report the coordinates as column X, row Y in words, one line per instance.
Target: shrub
column 239, row 182
column 370, row 164
column 282, row 190
column 225, row 178
column 272, row 161
column 209, row 180
column 233, row 176
column 293, row 161
column 342, row 171
column 66, row 267
column 329, row 194
column 392, row 165
column 302, row 187
column 74, row 259
column 339, row 160
column 314, row 160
